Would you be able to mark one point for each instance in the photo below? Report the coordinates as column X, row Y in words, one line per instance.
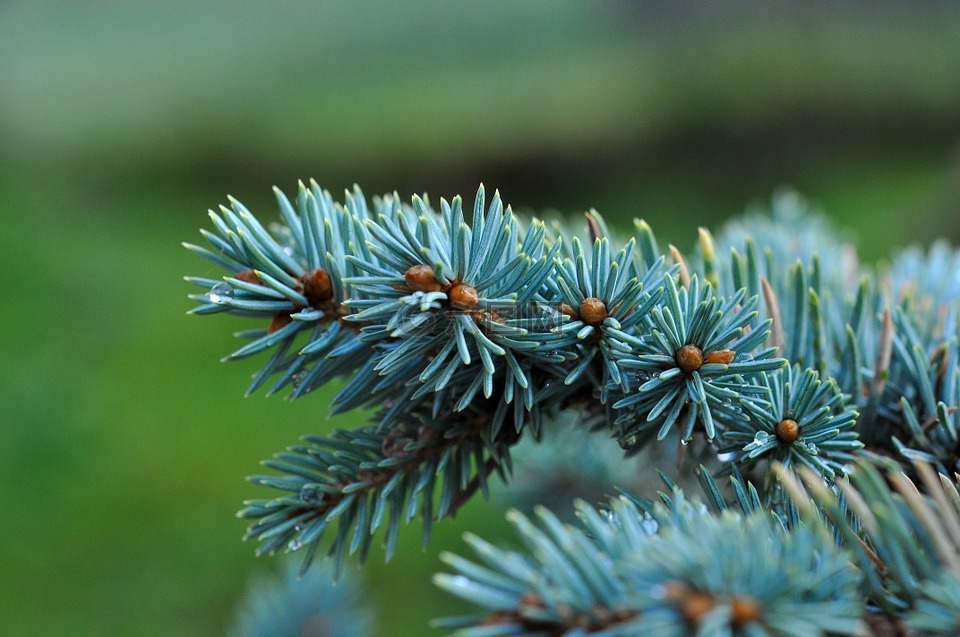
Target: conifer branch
column 365, row 478
column 673, row 573
column 307, row 604
column 464, row 332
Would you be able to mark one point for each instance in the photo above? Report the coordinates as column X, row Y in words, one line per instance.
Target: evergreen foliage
column 660, row 573
column 769, row 353
column 288, row 605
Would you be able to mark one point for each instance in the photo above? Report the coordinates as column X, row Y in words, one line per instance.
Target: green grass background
column 125, row 441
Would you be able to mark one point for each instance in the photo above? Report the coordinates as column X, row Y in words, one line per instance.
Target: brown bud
column 689, row 358
column 722, row 356
column 593, row 311
column 486, row 315
column 787, row 430
column 420, row 278
column 463, row 296
column 566, row 309
column 675, row 591
column 316, row 286
column 745, row 609
column 248, row 276
column 696, row 605
column 279, row 320
column 531, row 600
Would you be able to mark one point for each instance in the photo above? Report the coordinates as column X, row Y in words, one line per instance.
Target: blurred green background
column 124, row 441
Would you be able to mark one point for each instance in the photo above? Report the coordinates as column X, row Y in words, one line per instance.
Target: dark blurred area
column 649, row 108
column 122, row 122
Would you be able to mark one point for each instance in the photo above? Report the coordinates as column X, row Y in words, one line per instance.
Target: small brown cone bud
column 745, row 609
column 593, row 311
column 689, row 358
column 566, row 309
column 531, row 600
column 248, row 276
column 722, row 356
column 696, row 605
column 420, row 278
column 279, row 320
column 675, row 591
column 463, row 296
column 787, row 430
column 317, row 287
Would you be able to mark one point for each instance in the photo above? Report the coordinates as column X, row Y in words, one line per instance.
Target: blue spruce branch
column 770, row 351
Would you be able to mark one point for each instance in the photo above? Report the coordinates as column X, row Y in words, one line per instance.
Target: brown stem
column 417, row 457
column 464, row 496
column 595, row 231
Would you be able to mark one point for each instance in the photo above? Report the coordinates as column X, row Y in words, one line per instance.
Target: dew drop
column 743, row 357
column 294, row 545
column 220, row 293
column 684, row 442
column 650, row 526
column 309, row 495
column 298, row 379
